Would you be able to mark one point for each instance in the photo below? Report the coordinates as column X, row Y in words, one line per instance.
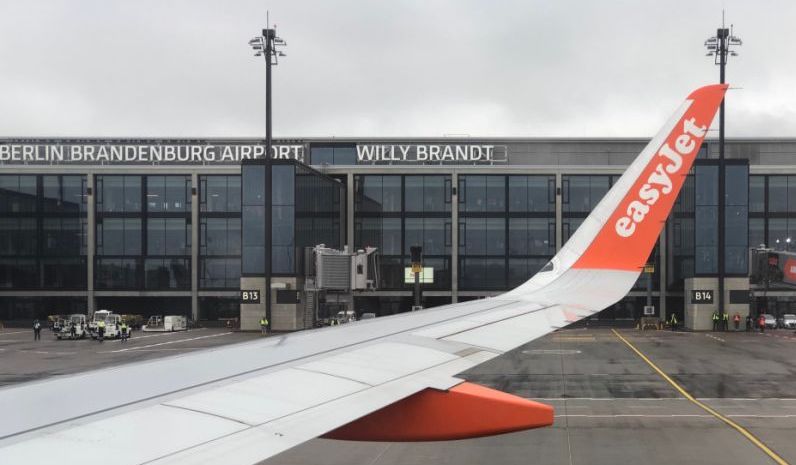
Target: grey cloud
column 410, row 68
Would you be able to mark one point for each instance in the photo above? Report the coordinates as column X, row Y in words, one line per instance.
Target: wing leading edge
column 245, row 403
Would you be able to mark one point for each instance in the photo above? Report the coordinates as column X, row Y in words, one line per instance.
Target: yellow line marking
column 744, row 432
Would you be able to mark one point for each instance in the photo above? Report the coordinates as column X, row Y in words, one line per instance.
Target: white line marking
column 165, row 333
column 164, row 343
column 13, row 332
column 46, row 353
column 714, row 337
column 170, row 348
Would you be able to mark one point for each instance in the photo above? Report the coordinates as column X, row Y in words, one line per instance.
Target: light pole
column 719, row 47
column 266, row 47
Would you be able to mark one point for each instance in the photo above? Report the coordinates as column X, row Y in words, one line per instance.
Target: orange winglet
column 628, row 236
column 465, row 411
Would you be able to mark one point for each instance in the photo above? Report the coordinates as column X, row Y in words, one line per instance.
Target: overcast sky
column 163, row 68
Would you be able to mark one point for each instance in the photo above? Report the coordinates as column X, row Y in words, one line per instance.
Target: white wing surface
column 243, row 403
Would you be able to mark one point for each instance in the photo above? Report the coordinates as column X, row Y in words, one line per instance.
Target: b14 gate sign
column 699, row 296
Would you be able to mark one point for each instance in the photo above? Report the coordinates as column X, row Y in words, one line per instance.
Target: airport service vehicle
column 367, row 316
column 78, row 321
column 771, row 322
column 343, row 316
column 166, row 323
column 788, row 321
column 392, row 378
column 112, row 324
column 57, row 325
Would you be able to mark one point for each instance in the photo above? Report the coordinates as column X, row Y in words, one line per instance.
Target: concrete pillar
column 455, row 237
column 91, row 241
column 559, row 214
column 194, row 247
column 349, row 201
column 250, row 313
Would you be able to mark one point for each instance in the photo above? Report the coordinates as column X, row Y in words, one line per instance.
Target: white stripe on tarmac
column 164, row 343
column 13, row 332
column 159, row 334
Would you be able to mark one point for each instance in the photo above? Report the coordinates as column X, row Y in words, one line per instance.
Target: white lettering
column 684, row 144
column 677, row 160
column 648, row 195
column 691, row 127
column 364, row 152
column 625, row 227
column 660, row 178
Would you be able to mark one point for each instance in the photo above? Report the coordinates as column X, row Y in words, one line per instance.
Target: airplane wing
column 391, row 378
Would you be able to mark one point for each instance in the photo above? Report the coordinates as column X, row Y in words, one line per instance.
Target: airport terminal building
column 154, row 226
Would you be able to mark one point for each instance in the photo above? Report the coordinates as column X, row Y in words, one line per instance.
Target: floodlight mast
column 719, row 47
column 265, row 46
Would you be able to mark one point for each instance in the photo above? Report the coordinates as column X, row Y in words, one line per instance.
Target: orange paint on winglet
column 465, row 411
column 628, row 236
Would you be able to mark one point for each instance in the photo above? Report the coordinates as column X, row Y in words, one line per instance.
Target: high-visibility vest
column 674, row 319
column 715, row 317
column 263, row 322
column 101, row 324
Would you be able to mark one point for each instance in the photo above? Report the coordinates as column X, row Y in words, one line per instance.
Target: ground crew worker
column 673, row 322
column 725, row 321
column 36, row 330
column 101, row 331
column 124, row 331
column 736, row 319
column 263, row 325
column 715, row 318
column 749, row 322
column 72, row 331
column 761, row 322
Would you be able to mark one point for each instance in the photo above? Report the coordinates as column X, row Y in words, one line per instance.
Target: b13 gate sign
column 250, row 297
column 702, row 296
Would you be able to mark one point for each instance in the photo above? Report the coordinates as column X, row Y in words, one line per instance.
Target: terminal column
column 454, row 237
column 91, row 241
column 559, row 215
column 194, row 247
column 349, row 203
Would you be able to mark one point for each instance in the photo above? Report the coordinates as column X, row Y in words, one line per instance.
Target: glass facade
column 302, row 209
column 394, row 213
column 333, row 154
column 496, row 219
column 43, row 232
column 317, row 205
column 253, row 209
column 506, row 229
column 143, row 232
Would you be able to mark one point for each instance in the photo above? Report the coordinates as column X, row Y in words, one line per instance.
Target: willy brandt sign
column 13, row 152
column 431, row 153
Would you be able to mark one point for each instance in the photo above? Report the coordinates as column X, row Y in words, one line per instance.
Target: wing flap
column 261, row 442
column 244, row 401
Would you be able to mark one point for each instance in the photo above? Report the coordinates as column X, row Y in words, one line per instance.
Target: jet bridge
column 331, row 280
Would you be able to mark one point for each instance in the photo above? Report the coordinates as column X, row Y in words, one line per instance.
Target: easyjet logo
column 659, row 181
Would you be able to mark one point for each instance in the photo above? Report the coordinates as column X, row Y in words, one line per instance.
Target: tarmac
column 611, row 405
column 23, row 359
